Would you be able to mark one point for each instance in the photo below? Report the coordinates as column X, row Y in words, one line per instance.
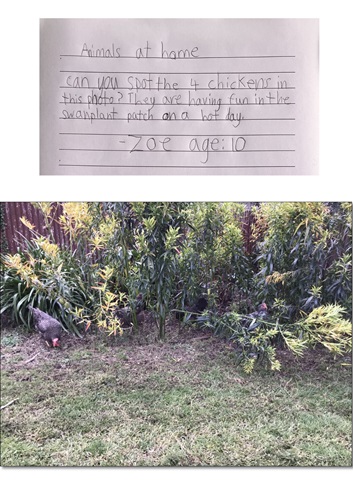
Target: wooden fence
column 14, row 228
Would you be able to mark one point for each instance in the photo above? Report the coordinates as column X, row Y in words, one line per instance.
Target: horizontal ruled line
column 176, row 59
column 174, row 90
column 174, row 166
column 178, row 72
column 180, row 104
column 176, row 120
column 175, row 135
column 180, row 150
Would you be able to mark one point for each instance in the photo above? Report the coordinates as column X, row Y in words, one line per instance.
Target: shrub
column 254, row 339
column 325, row 326
column 44, row 275
column 304, row 254
column 172, row 253
column 36, row 277
column 157, row 241
column 213, row 257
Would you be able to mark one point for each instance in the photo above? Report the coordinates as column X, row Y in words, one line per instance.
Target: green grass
column 173, row 404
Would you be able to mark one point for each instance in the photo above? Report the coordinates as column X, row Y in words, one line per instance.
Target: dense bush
column 44, row 275
column 304, row 255
column 173, row 253
column 213, row 258
column 255, row 339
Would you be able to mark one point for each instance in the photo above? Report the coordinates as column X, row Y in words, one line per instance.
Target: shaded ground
column 133, row 401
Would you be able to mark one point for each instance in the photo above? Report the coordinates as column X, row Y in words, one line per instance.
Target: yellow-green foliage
column 303, row 247
column 326, row 325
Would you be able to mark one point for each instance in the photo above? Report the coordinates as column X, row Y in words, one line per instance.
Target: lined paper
column 179, row 96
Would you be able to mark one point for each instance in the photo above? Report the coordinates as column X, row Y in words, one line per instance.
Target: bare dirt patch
column 182, row 347
column 185, row 349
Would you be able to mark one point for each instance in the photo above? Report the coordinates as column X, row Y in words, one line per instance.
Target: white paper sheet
column 179, row 96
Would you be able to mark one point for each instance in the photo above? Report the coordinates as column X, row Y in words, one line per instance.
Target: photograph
column 176, row 334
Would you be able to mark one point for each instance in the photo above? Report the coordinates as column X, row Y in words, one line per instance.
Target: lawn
column 133, row 401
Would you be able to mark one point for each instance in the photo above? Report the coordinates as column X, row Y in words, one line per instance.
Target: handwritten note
column 179, row 96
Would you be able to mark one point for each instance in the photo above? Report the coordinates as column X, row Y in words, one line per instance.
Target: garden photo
column 176, row 334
